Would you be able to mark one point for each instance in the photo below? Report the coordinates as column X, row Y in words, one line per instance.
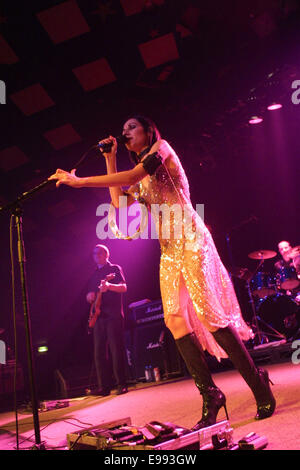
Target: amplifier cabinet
column 7, row 373
column 149, row 312
column 153, row 345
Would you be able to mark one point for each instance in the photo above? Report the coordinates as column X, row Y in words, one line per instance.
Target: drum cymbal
column 262, row 254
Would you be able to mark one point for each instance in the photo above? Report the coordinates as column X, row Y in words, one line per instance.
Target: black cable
column 84, row 156
column 65, row 421
column 76, row 419
column 76, row 440
column 8, row 426
column 68, row 421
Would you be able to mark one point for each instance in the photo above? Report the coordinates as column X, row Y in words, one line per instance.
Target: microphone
column 106, row 147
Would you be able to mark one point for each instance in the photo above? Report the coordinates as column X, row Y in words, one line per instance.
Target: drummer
column 285, row 250
column 290, row 261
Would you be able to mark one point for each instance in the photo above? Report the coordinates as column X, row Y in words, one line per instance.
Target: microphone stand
column 15, row 208
column 31, row 370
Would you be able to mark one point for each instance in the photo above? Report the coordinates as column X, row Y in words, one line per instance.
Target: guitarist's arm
column 119, row 288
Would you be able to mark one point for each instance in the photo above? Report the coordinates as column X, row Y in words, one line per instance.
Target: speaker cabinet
column 153, row 345
column 7, row 374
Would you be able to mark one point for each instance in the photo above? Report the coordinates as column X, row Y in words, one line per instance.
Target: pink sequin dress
column 192, row 275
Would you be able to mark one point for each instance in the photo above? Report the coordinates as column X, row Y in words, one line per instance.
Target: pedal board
column 122, row 435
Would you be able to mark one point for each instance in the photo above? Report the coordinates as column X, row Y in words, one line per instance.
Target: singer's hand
column 113, row 151
column 63, row 177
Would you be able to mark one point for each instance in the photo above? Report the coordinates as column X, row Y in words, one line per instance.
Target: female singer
column 200, row 306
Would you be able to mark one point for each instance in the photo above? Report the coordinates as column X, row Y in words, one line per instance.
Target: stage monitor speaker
column 153, row 345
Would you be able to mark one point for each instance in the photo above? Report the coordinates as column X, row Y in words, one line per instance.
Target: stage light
column 274, row 106
column 255, row 120
column 42, row 349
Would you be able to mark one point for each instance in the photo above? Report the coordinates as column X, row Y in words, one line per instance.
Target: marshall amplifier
column 153, row 345
column 147, row 312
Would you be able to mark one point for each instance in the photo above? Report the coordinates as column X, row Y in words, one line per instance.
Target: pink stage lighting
column 274, row 106
column 255, row 120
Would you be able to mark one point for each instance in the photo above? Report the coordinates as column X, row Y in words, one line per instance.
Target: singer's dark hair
column 148, row 125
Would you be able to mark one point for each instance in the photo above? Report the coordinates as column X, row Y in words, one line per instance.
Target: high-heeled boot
column 213, row 399
column 257, row 379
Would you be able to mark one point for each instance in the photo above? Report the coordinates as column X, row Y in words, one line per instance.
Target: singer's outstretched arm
column 123, row 178
column 118, row 179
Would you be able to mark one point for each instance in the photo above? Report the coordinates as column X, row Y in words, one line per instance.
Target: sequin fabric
column 193, row 278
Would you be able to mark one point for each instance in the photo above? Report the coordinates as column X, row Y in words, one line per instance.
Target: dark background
column 229, row 61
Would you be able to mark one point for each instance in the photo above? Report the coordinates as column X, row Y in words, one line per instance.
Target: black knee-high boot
column 257, row 379
column 213, row 398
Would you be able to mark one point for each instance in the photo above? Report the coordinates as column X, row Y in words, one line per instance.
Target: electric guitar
column 96, row 305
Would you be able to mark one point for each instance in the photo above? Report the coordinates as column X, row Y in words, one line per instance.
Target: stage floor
column 175, row 401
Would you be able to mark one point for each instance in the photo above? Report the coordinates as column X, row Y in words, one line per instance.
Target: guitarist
column 108, row 330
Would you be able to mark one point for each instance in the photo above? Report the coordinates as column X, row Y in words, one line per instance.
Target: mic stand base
column 41, row 446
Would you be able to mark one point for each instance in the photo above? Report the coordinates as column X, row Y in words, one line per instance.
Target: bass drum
column 281, row 313
column 263, row 284
column 288, row 279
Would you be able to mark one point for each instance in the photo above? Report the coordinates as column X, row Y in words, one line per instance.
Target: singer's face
column 136, row 135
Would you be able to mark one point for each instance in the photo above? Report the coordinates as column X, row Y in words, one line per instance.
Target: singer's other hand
column 64, row 177
column 113, row 151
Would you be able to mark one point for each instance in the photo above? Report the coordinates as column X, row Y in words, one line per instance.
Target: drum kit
column 274, row 296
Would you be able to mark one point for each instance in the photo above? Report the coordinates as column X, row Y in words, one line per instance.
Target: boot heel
column 225, row 408
column 265, row 375
column 213, row 401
